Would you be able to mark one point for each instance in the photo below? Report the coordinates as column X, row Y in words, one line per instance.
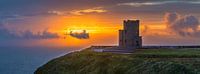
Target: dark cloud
column 126, row 6
column 183, row 25
column 151, row 3
column 40, row 35
column 81, row 35
column 7, row 34
column 152, row 8
column 171, row 17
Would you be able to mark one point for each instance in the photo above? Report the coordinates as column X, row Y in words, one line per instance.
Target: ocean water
column 25, row 60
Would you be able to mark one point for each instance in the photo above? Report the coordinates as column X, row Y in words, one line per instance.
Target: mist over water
column 25, row 60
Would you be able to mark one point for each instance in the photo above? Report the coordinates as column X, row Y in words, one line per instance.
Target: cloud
column 79, row 35
column 79, row 12
column 171, row 17
column 122, row 7
column 140, row 4
column 7, row 34
column 150, row 3
column 45, row 34
column 85, row 11
column 183, row 25
column 56, row 12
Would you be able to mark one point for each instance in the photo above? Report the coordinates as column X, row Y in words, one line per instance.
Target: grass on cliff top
column 142, row 61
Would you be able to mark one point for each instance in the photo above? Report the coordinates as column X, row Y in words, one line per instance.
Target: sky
column 48, row 22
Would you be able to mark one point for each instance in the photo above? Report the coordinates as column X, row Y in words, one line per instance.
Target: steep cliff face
column 167, row 61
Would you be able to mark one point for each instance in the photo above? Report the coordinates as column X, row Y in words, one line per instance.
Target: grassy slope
column 165, row 61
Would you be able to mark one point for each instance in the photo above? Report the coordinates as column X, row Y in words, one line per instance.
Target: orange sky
column 101, row 19
column 102, row 31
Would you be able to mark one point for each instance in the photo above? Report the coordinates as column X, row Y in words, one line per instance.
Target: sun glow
column 78, row 31
column 100, row 30
column 93, row 29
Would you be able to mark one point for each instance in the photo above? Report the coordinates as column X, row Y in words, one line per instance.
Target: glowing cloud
column 92, row 10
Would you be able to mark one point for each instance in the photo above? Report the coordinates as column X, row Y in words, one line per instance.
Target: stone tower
column 129, row 37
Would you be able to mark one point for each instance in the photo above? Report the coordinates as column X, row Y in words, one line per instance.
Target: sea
column 25, row 60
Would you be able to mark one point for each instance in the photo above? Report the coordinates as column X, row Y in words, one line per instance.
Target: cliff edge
column 142, row 61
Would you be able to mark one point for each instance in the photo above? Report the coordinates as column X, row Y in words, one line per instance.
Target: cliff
column 142, row 61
